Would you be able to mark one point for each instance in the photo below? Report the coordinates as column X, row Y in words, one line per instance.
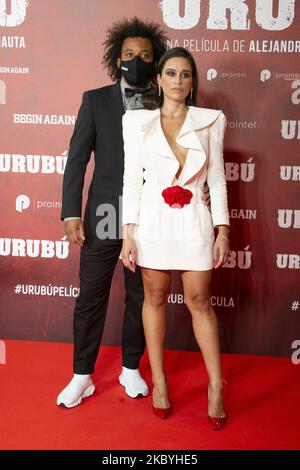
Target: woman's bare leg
column 205, row 325
column 156, row 287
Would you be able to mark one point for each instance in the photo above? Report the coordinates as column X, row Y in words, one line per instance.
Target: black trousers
column 98, row 260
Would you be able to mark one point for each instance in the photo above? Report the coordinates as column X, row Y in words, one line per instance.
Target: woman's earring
column 191, row 96
column 159, row 90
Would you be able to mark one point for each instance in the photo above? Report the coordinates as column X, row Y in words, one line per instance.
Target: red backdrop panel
column 248, row 62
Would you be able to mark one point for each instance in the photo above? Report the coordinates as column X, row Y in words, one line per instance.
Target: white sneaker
column 135, row 385
column 80, row 387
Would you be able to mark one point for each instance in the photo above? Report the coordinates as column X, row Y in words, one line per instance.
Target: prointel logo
column 22, row 203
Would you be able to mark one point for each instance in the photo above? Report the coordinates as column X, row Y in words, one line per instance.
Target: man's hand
column 205, row 195
column 74, row 231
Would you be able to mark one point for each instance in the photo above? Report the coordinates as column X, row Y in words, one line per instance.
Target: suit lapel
column 116, row 100
column 188, row 137
column 196, row 155
column 116, row 110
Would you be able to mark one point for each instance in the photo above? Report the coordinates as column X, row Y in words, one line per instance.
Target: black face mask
column 136, row 71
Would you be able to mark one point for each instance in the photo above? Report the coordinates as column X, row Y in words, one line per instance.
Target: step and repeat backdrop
column 248, row 58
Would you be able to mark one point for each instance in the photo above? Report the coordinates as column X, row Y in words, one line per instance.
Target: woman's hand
column 221, row 249
column 129, row 250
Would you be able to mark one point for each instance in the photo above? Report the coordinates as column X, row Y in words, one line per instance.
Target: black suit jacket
column 98, row 128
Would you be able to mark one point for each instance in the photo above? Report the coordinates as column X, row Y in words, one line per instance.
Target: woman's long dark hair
column 155, row 101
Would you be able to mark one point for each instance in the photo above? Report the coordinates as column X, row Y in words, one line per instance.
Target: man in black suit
column 132, row 48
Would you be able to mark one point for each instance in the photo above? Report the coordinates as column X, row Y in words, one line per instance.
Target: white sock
column 80, row 378
column 130, row 372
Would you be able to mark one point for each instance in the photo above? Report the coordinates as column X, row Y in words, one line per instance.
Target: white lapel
column 196, row 119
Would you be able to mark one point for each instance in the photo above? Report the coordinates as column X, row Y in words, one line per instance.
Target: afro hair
column 131, row 28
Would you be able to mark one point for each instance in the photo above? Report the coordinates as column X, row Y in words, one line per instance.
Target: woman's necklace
column 163, row 115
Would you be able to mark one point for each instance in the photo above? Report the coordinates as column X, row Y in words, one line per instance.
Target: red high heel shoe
column 162, row 413
column 218, row 422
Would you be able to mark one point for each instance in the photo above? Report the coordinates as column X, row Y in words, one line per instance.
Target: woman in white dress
column 175, row 148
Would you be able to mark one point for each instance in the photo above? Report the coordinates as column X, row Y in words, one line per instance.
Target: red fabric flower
column 177, row 196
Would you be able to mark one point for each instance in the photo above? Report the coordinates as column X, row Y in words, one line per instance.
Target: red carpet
column 262, row 399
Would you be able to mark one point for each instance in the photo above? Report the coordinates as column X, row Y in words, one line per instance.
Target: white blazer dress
column 170, row 236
